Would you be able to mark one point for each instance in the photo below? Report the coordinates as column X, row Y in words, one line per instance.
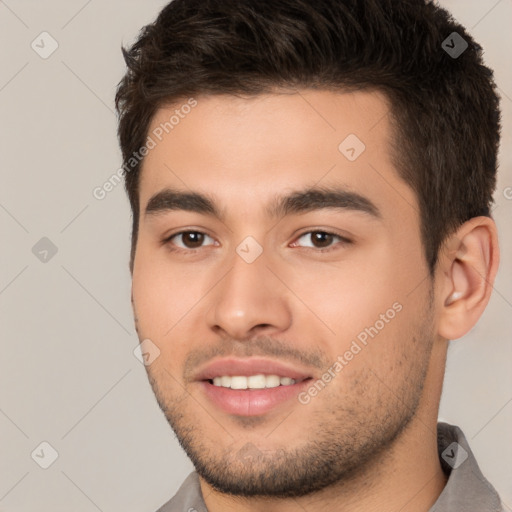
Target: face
column 280, row 278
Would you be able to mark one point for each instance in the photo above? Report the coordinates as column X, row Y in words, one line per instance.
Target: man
column 311, row 186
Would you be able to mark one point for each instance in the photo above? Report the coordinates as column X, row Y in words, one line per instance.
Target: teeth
column 272, row 381
column 259, row 381
column 256, row 382
column 238, row 382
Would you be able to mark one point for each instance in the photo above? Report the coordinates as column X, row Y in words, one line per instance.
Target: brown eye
column 192, row 239
column 189, row 239
column 322, row 239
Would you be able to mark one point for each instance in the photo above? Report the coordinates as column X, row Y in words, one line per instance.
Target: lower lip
column 251, row 402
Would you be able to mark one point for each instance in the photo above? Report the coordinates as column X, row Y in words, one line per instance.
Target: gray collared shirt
column 466, row 490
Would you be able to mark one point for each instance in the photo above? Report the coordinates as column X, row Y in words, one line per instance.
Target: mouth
column 251, row 387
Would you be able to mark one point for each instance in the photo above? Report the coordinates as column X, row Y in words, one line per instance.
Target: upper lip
column 249, row 366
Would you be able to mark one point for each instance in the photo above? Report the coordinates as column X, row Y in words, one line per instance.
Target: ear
column 467, row 269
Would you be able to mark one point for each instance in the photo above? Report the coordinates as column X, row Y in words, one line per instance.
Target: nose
column 249, row 300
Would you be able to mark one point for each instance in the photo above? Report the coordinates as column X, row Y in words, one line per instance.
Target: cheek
column 162, row 294
column 364, row 312
column 164, row 301
column 348, row 296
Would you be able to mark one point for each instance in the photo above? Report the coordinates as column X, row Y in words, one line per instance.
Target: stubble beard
column 337, row 449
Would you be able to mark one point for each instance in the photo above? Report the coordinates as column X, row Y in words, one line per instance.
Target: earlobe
column 468, row 276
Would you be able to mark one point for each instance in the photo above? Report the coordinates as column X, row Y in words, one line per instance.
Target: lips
column 251, row 400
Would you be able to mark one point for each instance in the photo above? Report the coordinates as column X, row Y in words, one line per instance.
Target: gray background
column 68, row 373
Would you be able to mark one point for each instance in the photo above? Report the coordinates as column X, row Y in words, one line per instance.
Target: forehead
column 243, row 150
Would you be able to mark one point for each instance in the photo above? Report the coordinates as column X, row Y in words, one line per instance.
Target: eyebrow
column 297, row 202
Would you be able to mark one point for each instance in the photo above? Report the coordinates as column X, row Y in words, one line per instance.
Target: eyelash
column 343, row 241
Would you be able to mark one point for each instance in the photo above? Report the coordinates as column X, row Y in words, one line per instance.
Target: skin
column 367, row 441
